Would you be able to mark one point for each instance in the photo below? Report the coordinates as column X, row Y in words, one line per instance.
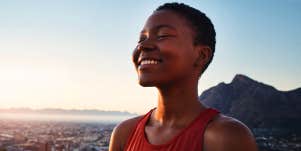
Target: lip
column 148, row 58
column 147, row 66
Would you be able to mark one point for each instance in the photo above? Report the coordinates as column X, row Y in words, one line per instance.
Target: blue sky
column 77, row 54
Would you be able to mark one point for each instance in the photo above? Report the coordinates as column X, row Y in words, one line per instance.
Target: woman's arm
column 115, row 144
column 228, row 134
column 121, row 133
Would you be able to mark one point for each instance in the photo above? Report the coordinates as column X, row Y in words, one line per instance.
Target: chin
column 151, row 83
column 146, row 80
column 146, row 83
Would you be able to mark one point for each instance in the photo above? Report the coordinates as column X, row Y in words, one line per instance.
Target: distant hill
column 256, row 104
column 63, row 111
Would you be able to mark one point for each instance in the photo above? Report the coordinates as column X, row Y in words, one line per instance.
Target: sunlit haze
column 77, row 54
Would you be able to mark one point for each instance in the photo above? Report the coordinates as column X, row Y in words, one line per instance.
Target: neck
column 177, row 104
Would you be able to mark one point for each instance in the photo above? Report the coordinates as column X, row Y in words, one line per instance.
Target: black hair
column 201, row 24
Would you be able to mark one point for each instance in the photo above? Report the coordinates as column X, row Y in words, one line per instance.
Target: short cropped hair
column 201, row 25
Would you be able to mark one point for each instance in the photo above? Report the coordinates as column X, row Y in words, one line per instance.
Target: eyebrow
column 161, row 26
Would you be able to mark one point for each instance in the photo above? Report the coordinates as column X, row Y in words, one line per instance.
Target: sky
column 76, row 54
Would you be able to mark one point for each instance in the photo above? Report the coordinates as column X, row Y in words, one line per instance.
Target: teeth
column 149, row 62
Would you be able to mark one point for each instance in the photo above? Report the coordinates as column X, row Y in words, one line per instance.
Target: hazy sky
column 77, row 53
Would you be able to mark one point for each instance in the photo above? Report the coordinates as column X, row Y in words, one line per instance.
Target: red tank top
column 189, row 139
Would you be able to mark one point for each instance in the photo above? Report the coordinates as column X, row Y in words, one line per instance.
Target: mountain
column 256, row 104
column 63, row 111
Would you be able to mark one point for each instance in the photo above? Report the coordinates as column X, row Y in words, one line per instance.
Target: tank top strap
column 209, row 115
column 146, row 117
column 206, row 119
column 138, row 126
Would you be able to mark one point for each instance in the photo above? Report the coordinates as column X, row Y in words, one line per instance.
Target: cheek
column 135, row 56
column 177, row 64
column 178, row 53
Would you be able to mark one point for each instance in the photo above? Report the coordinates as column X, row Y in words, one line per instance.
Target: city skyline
column 77, row 54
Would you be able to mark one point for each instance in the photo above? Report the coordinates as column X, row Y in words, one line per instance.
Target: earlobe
column 204, row 54
column 198, row 61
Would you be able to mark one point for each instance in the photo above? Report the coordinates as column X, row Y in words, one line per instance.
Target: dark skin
column 168, row 38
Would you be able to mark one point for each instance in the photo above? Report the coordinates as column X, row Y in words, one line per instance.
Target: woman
column 176, row 45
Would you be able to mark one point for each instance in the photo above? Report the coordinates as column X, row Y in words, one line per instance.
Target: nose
column 146, row 45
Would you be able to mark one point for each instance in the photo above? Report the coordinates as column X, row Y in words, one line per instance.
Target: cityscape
column 54, row 136
column 81, row 136
column 277, row 139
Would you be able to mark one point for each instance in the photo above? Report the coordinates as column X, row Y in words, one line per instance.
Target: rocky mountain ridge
column 256, row 104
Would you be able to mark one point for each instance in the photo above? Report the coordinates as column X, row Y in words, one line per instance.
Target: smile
column 147, row 63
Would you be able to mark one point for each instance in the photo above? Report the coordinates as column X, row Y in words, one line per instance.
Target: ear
column 204, row 54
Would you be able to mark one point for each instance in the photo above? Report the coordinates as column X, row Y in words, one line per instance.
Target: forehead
column 168, row 19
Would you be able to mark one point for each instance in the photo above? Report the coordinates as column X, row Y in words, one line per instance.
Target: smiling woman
column 176, row 45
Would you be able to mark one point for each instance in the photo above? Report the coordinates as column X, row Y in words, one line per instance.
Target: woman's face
column 165, row 52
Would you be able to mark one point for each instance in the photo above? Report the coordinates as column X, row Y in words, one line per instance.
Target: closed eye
column 160, row 37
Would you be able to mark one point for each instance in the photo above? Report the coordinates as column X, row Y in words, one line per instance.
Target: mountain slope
column 256, row 104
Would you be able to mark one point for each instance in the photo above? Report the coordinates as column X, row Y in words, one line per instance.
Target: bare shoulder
column 122, row 132
column 228, row 134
